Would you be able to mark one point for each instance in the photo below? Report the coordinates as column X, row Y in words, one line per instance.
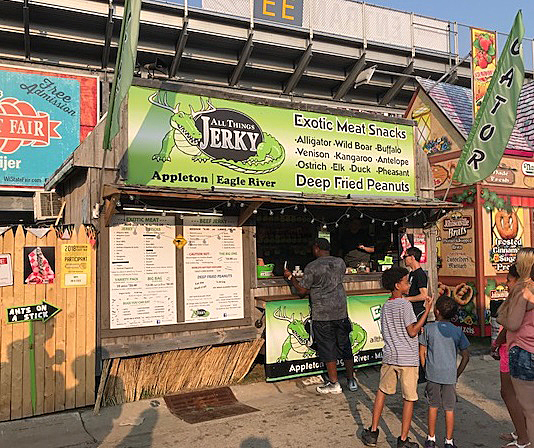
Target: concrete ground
column 291, row 415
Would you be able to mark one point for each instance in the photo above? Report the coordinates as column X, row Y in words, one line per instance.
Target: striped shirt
column 399, row 348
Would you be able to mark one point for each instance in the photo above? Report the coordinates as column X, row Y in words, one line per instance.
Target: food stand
column 203, row 182
column 478, row 243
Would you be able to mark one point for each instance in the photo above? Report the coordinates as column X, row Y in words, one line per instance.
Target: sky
column 490, row 14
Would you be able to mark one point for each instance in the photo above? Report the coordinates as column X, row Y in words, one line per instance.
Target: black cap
column 322, row 243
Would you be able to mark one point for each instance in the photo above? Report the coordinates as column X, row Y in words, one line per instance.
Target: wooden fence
column 64, row 345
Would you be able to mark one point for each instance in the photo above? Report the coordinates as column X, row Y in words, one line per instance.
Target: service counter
column 289, row 350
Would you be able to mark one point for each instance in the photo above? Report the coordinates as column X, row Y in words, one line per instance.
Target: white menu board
column 142, row 278
column 213, row 269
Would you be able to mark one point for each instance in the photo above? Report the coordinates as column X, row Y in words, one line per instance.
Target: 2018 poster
column 75, row 265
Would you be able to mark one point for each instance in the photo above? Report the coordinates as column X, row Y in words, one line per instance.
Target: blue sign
column 39, row 125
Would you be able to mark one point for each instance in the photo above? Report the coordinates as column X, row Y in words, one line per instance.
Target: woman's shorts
column 521, row 364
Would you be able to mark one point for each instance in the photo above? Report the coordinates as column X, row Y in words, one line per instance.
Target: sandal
column 514, row 444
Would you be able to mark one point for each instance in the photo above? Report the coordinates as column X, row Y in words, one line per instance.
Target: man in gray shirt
column 323, row 281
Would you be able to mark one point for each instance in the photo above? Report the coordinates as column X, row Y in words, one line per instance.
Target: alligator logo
column 224, row 136
column 300, row 341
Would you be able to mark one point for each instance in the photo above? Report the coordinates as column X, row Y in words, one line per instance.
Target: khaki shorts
column 408, row 376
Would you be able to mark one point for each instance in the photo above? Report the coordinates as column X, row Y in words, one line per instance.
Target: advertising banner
column 213, row 269
column 456, row 244
column 287, row 332
column 484, row 57
column 180, row 140
column 288, row 12
column 43, row 118
column 507, row 231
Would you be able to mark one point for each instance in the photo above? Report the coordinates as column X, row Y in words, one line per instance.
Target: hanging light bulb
column 271, row 213
column 373, row 221
column 282, row 211
column 395, row 223
column 163, row 213
column 131, row 197
column 296, row 207
column 313, row 220
column 228, row 204
column 361, row 215
column 119, row 203
column 348, row 215
column 242, row 205
column 384, row 224
column 324, row 227
column 337, row 225
column 181, row 216
column 407, row 219
column 255, row 211
column 305, row 210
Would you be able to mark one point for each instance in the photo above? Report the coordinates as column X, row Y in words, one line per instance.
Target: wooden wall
column 64, row 345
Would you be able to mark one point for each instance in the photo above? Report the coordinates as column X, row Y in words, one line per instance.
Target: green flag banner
column 496, row 118
column 124, row 68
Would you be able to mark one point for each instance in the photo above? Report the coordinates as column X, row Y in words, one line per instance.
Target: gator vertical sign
column 181, row 140
column 41, row 122
column 289, row 349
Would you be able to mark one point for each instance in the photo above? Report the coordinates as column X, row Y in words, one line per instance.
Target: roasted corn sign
column 496, row 118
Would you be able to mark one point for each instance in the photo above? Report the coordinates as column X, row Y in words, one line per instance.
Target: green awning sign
column 29, row 313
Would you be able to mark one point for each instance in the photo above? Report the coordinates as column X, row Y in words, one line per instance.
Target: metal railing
column 370, row 24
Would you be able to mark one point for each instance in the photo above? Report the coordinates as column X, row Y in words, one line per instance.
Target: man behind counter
column 356, row 244
column 418, row 280
column 323, row 281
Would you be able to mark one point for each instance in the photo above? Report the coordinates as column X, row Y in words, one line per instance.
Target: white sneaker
column 329, row 388
column 353, row 385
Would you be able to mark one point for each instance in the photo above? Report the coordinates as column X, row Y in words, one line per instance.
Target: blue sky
column 490, row 14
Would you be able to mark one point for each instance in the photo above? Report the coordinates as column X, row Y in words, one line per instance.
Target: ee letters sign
column 288, row 12
column 181, row 140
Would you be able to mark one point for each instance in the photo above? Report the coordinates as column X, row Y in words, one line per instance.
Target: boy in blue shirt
column 439, row 344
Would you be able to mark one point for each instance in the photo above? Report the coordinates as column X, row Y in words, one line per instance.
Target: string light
column 337, row 225
column 228, row 204
column 271, row 213
column 282, row 211
column 305, row 210
column 297, row 207
column 313, row 220
column 348, row 215
column 361, row 215
column 255, row 211
column 373, row 221
column 242, row 205
column 384, row 224
column 395, row 223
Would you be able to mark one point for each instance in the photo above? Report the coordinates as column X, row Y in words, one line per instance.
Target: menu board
column 213, row 269
column 142, row 279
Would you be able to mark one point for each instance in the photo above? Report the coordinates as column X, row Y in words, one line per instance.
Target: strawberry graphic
column 485, row 43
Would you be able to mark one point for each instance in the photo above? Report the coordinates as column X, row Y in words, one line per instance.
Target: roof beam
column 346, row 85
column 180, row 46
column 299, row 70
column 243, row 59
column 108, row 35
column 26, row 18
column 397, row 86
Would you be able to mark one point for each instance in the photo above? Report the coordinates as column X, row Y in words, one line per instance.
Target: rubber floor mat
column 205, row 405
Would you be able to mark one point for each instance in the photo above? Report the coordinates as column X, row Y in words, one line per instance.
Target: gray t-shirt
column 324, row 278
column 443, row 341
column 399, row 348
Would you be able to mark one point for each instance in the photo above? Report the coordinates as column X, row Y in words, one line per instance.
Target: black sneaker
column 406, row 443
column 449, row 445
column 369, row 437
column 430, row 444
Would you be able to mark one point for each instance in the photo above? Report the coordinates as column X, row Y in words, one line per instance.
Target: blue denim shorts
column 521, row 364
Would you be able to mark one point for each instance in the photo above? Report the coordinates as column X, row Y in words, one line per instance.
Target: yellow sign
column 180, row 241
column 484, row 61
column 75, row 265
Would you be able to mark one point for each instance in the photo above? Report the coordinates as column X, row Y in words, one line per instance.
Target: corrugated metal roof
column 456, row 103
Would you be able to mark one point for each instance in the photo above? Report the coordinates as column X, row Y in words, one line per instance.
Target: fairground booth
column 477, row 244
column 206, row 196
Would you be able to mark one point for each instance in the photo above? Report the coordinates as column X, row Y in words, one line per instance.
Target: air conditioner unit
column 46, row 205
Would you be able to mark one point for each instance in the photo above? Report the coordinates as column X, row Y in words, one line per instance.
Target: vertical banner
column 484, row 61
column 213, row 269
column 290, row 352
column 495, row 121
